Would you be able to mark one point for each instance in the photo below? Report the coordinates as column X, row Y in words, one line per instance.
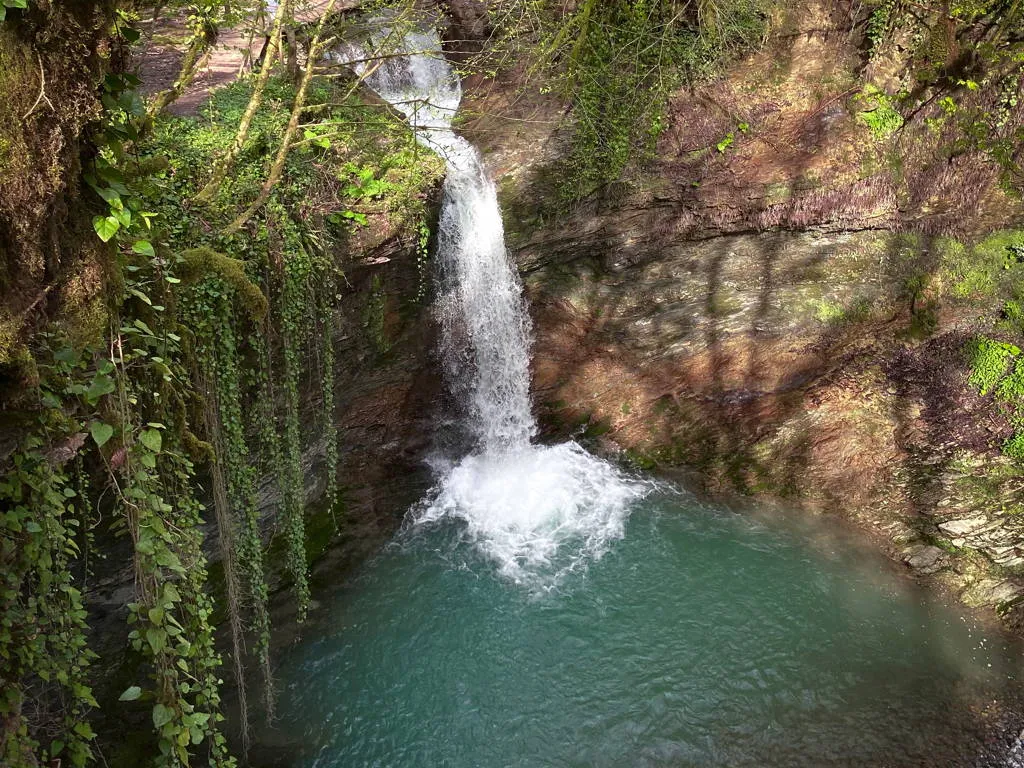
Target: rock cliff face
column 789, row 364
column 51, row 265
column 387, row 393
column 783, row 300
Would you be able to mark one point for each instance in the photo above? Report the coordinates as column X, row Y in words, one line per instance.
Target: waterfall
column 538, row 511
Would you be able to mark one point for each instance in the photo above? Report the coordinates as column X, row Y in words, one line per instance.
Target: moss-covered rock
column 50, row 68
column 197, row 263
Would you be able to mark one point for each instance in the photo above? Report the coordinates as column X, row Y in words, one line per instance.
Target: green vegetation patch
column 834, row 312
column 994, row 266
column 879, row 113
column 201, row 262
column 997, row 368
column 991, row 266
column 990, row 359
column 354, row 160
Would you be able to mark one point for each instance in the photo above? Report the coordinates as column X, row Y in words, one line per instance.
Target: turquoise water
column 702, row 638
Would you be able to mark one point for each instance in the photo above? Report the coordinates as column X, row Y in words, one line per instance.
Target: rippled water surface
column 703, row 637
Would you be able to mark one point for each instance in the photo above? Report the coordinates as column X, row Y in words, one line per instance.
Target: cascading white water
column 521, row 502
column 486, row 330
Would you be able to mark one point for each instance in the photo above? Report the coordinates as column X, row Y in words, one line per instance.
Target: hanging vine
column 45, row 657
column 147, row 465
column 325, row 292
column 296, row 270
column 210, row 313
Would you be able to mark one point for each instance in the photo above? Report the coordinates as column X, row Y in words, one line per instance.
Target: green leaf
column 106, row 227
column 3, row 13
column 139, row 294
column 152, row 439
column 162, row 715
column 65, row 355
column 100, row 432
column 101, row 385
column 131, row 694
column 157, row 639
column 110, row 195
column 144, row 247
column 167, row 559
column 200, row 718
column 171, row 594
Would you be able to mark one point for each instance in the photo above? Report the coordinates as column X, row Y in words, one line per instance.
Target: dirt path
column 159, row 61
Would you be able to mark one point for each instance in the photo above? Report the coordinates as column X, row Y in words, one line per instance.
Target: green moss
column 974, row 279
column 375, row 316
column 989, row 361
column 197, row 263
column 828, row 311
column 9, row 331
column 924, row 319
column 832, row 312
column 777, row 193
column 597, row 428
column 991, row 265
column 1005, row 248
column 321, row 527
column 198, row 450
column 1013, row 315
column 722, row 305
column 18, row 72
column 640, row 460
column 5, row 149
column 19, row 373
column 147, row 166
column 948, row 249
column 944, row 544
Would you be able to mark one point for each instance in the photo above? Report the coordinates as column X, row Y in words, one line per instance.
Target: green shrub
column 1014, row 447
column 880, row 114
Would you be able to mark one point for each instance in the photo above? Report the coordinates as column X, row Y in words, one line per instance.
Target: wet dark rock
column 923, row 558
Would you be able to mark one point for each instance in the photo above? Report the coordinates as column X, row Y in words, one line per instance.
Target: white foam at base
column 538, row 512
